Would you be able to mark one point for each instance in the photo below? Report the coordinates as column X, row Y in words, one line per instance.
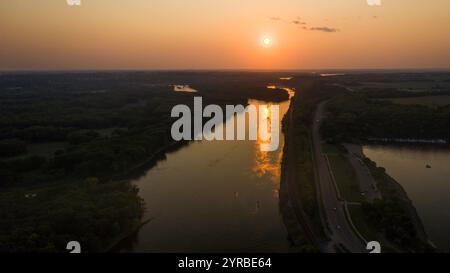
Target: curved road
column 341, row 231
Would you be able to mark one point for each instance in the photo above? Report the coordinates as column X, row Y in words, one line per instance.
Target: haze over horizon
column 266, row 35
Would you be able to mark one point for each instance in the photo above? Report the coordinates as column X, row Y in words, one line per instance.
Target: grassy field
column 343, row 173
column 425, row 100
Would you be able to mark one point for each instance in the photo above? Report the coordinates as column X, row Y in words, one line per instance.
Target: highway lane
column 367, row 183
column 341, row 231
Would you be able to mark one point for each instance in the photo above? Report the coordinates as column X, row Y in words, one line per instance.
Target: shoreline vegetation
column 393, row 220
column 104, row 139
column 375, row 219
column 297, row 211
column 410, row 233
column 116, row 242
column 79, row 189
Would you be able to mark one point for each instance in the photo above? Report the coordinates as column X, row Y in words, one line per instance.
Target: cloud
column 324, row 29
column 298, row 22
column 303, row 25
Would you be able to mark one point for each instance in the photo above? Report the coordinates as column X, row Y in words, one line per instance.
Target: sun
column 267, row 41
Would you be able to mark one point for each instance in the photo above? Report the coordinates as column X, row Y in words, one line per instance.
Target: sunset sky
column 224, row 34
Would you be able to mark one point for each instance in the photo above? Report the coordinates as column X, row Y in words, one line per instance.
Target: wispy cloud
column 298, row 22
column 303, row 25
column 324, row 29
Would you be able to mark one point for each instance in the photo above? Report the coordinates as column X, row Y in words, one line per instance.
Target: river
column 427, row 187
column 213, row 196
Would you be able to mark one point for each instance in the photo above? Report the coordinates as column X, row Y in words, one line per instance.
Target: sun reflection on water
column 269, row 163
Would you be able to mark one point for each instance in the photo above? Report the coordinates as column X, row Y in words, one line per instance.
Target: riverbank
column 377, row 186
column 115, row 244
column 138, row 169
column 292, row 192
column 394, row 194
column 313, row 188
column 135, row 171
column 423, row 173
column 367, row 188
column 213, row 196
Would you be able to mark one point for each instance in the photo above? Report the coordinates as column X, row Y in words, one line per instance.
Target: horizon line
column 311, row 70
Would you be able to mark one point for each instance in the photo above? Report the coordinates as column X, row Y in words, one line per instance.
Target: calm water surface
column 428, row 188
column 214, row 196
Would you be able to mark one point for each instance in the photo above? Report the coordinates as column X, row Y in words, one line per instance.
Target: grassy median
column 343, row 172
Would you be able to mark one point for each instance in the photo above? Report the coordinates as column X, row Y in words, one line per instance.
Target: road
column 367, row 183
column 341, row 231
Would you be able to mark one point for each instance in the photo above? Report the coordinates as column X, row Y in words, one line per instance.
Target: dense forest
column 357, row 117
column 104, row 123
column 89, row 212
column 65, row 138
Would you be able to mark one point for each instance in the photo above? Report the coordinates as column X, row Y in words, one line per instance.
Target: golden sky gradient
column 224, row 34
